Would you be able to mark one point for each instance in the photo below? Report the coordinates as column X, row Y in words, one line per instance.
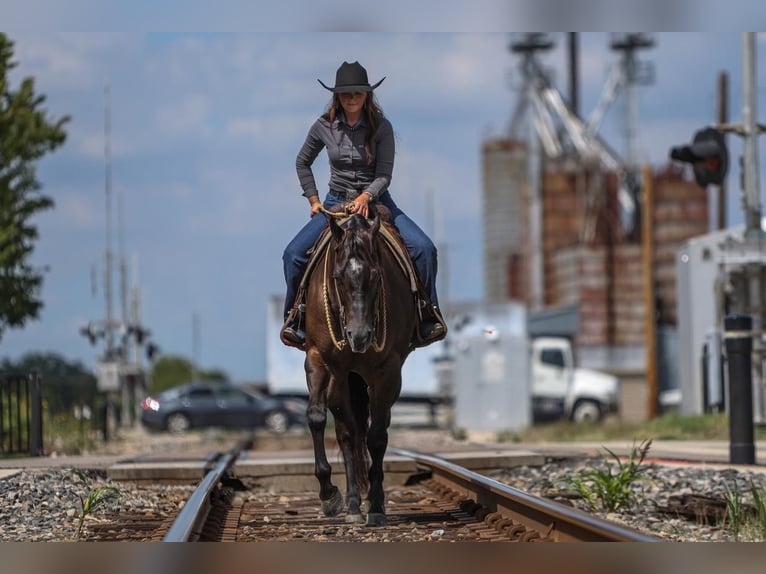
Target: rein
column 337, row 214
column 340, row 343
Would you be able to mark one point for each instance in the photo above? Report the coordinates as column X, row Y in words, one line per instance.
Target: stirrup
column 296, row 336
column 431, row 326
column 431, row 330
column 292, row 334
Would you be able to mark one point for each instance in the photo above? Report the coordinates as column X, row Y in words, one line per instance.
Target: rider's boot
column 431, row 326
column 293, row 330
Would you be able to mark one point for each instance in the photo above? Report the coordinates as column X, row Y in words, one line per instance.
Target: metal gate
column 21, row 420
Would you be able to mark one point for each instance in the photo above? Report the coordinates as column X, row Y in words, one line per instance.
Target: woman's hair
column 373, row 113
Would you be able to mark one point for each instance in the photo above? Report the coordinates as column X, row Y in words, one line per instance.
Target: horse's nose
column 359, row 339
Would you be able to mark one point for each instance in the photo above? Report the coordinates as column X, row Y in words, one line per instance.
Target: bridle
column 378, row 344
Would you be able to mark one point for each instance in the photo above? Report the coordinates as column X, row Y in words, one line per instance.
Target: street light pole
column 753, row 231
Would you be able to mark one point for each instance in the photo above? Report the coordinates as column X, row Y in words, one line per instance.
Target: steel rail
column 556, row 521
column 188, row 524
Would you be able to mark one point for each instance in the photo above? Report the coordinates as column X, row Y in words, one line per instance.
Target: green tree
column 169, row 371
column 26, row 135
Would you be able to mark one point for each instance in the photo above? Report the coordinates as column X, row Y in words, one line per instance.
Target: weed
column 507, row 436
column 746, row 520
column 459, row 434
column 601, row 488
column 759, row 502
column 96, row 498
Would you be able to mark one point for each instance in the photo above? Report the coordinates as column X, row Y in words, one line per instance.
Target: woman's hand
column 361, row 204
column 315, row 205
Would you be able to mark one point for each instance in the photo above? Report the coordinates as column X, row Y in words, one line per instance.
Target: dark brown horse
column 360, row 316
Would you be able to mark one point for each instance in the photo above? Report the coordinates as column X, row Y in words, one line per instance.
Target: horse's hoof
column 376, row 519
column 355, row 518
column 333, row 505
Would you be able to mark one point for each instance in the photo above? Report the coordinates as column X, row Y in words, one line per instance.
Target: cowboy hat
column 351, row 78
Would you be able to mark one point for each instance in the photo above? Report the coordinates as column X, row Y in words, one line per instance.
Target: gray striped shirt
column 350, row 172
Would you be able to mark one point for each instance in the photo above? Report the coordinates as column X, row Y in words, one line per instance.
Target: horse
column 359, row 319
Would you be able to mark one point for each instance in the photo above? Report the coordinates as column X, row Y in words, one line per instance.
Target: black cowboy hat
column 351, row 78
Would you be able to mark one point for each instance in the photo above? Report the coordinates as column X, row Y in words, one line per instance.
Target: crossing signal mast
column 741, row 279
column 115, row 370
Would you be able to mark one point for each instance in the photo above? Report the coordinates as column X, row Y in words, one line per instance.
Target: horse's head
column 357, row 278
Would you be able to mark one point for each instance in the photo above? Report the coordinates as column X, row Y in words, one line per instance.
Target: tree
column 26, row 135
column 169, row 371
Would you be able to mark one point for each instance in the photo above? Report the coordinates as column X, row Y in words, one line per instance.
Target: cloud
column 74, row 210
column 65, row 61
column 187, row 116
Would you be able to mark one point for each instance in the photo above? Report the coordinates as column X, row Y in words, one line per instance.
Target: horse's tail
column 360, row 407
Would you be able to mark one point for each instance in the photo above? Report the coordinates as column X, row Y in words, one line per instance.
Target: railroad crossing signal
column 707, row 154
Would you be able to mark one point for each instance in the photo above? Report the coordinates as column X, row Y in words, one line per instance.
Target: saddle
column 421, row 300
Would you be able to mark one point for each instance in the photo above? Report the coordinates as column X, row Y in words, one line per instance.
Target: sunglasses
column 350, row 94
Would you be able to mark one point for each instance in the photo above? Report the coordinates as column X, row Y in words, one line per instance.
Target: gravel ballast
column 45, row 504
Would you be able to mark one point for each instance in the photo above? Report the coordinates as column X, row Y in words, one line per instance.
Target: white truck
column 561, row 390
column 557, row 388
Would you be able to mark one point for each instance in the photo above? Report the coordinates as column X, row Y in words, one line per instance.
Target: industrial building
column 561, row 230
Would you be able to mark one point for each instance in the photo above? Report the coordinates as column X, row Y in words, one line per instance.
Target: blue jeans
column 420, row 247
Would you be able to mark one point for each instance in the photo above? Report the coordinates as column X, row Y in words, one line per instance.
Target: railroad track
column 441, row 501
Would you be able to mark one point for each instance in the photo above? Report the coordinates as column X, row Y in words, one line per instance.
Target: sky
column 205, row 128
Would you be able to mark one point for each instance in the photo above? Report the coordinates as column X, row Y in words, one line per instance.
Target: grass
column 64, row 434
column 746, row 516
column 667, row 427
column 95, row 499
column 609, row 487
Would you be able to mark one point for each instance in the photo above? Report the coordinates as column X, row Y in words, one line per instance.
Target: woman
column 360, row 146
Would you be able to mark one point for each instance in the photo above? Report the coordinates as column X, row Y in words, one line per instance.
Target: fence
column 21, row 414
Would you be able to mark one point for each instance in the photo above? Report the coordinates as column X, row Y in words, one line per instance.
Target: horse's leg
column 318, row 379
column 340, row 405
column 382, row 398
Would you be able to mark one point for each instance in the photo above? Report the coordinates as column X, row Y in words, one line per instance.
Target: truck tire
column 586, row 411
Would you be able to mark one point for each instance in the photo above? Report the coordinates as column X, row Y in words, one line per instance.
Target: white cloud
column 187, row 116
column 75, row 209
column 67, row 61
column 91, row 144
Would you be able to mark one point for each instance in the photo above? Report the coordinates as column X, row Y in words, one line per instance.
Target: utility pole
column 195, row 345
column 650, row 318
column 135, row 312
column 723, row 118
column 109, row 358
column 753, row 231
column 574, row 74
column 751, row 132
column 123, row 276
column 127, row 375
column 108, row 256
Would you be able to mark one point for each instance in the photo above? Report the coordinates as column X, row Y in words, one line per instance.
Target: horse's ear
column 337, row 230
column 375, row 225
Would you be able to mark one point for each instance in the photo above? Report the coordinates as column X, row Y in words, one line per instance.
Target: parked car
column 198, row 405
